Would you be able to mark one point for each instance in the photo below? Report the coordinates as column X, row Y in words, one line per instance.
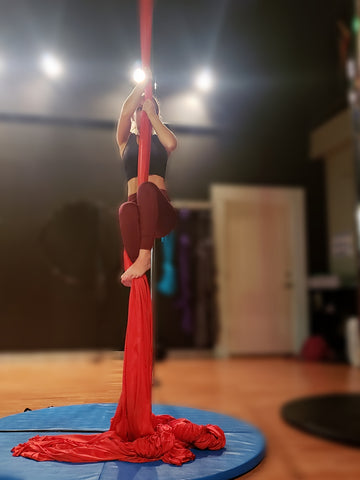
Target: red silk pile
column 135, row 434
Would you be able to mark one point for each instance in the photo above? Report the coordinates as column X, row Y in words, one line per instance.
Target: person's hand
column 149, row 107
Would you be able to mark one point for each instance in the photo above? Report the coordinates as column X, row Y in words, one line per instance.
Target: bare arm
column 127, row 111
column 165, row 135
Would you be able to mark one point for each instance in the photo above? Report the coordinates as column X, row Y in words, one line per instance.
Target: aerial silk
column 135, row 434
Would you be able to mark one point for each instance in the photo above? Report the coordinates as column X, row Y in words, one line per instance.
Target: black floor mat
column 333, row 416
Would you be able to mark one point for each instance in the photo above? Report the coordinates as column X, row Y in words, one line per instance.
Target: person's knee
column 127, row 208
column 146, row 189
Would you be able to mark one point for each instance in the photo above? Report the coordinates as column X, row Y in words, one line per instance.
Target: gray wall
column 60, row 188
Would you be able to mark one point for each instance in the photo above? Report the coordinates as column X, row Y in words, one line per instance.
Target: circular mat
column 245, row 446
column 333, row 416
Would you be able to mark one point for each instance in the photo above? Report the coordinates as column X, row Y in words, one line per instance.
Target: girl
column 148, row 213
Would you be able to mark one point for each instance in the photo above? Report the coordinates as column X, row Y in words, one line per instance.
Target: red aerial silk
column 135, row 434
column 146, row 9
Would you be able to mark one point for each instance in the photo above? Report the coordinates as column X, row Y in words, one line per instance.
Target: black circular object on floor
column 332, row 416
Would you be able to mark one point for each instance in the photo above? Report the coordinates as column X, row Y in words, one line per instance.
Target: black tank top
column 158, row 157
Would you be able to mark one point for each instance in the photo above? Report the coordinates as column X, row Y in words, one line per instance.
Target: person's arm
column 165, row 135
column 127, row 111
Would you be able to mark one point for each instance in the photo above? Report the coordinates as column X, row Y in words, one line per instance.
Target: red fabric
column 170, row 443
column 133, row 415
column 135, row 434
column 146, row 11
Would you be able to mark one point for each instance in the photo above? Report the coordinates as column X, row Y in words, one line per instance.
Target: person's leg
column 148, row 215
column 167, row 215
column 130, row 228
column 148, row 203
column 157, row 217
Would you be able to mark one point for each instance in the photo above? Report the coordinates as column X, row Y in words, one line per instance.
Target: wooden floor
column 252, row 389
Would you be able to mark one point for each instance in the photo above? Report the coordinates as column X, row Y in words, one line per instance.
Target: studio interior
column 254, row 292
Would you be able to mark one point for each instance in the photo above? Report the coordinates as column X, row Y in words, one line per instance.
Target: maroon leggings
column 145, row 216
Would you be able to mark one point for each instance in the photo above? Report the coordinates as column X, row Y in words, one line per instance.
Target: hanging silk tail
column 133, row 415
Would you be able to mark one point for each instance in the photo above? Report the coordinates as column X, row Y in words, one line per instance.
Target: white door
column 259, row 241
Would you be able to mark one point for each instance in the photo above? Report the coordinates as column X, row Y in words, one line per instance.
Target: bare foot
column 138, row 268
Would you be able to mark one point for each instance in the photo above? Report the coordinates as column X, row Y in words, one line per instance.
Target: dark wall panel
column 60, row 188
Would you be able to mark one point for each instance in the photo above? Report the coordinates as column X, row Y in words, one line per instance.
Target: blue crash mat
column 245, row 446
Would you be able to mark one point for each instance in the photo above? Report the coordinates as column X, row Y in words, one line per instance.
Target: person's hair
column 134, row 128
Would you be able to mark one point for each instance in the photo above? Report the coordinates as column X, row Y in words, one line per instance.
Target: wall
column 60, row 188
column 340, row 178
column 59, row 244
column 333, row 143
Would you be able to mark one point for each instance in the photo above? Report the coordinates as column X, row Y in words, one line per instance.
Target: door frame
column 220, row 194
